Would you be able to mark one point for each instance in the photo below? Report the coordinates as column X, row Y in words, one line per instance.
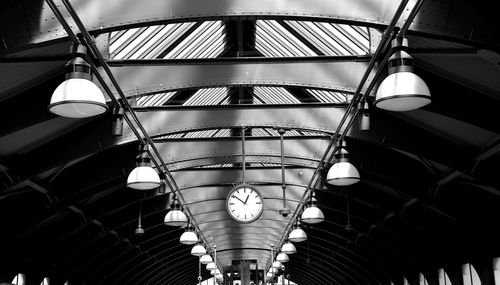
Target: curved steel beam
column 339, row 75
column 99, row 16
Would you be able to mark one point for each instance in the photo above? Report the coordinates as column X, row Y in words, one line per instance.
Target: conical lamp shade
column 143, row 178
column 288, row 248
column 282, row 257
column 206, row 259
column 175, row 218
column 277, row 264
column 211, row 266
column 402, row 91
column 297, row 235
column 77, row 98
column 188, row 238
column 312, row 215
column 198, row 250
column 342, row 173
column 273, row 270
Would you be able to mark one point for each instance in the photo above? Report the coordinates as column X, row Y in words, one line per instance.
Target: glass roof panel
column 273, row 40
column 274, row 95
column 172, row 41
column 208, row 96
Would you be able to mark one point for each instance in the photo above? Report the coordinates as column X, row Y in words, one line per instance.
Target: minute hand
column 239, row 199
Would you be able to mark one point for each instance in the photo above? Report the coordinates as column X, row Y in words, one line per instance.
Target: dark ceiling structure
column 195, row 72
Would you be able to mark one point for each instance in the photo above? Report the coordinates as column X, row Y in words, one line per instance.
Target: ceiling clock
column 244, row 203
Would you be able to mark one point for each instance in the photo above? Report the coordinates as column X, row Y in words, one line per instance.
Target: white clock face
column 244, row 204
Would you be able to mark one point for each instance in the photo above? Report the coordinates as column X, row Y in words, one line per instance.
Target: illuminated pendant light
column 205, row 259
column 188, row 237
column 175, row 217
column 277, row 264
column 198, row 250
column 77, row 96
column 143, row 177
column 402, row 90
column 282, row 257
column 288, row 248
column 214, row 272
column 273, row 270
column 297, row 234
column 342, row 172
column 269, row 274
column 312, row 214
column 211, row 266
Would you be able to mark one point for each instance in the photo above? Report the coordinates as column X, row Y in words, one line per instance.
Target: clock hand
column 239, row 199
column 246, row 199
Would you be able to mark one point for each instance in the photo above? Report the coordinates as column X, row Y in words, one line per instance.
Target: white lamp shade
column 198, row 250
column 175, row 218
column 297, row 235
column 288, row 248
column 402, row 91
column 143, row 178
column 269, row 275
column 277, row 264
column 214, row 271
column 211, row 266
column 282, row 257
column 219, row 277
column 188, row 237
column 205, row 259
column 273, row 270
column 342, row 173
column 312, row 215
column 77, row 98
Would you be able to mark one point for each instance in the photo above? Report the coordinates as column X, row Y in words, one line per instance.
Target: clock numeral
column 231, row 203
column 258, row 203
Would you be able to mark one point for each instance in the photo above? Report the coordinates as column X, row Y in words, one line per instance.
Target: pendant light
column 312, row 214
column 143, row 177
column 188, row 237
column 211, row 266
column 288, row 247
column 276, row 264
column 297, row 234
column 175, row 217
column 285, row 211
column 282, row 257
column 77, row 96
column 342, row 172
column 402, row 90
column 139, row 230
column 198, row 250
column 206, row 259
column 364, row 116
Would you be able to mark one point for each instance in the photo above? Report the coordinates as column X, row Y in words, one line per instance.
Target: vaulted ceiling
column 195, row 72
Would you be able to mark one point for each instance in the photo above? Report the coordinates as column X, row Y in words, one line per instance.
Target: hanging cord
column 243, row 152
column 348, row 227
column 199, row 271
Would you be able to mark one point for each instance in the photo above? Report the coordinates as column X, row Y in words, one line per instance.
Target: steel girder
column 338, row 75
column 442, row 18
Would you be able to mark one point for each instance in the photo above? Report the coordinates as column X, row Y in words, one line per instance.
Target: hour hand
column 246, row 199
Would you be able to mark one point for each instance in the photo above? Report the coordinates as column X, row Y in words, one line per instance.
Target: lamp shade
column 288, row 248
column 277, row 264
column 188, row 237
column 342, row 172
column 282, row 257
column 297, row 235
column 312, row 214
column 269, row 275
column 175, row 218
column 402, row 91
column 273, row 270
column 143, row 178
column 219, row 277
column 205, row 259
column 77, row 98
column 198, row 250
column 214, row 271
column 211, row 266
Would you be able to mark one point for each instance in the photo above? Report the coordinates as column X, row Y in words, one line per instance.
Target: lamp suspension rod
column 328, row 154
column 124, row 103
column 140, row 213
column 243, row 162
column 282, row 145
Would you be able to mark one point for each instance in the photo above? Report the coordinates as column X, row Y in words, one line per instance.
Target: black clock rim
column 244, row 186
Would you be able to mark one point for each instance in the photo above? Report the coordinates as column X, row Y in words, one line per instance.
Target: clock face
column 244, row 204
